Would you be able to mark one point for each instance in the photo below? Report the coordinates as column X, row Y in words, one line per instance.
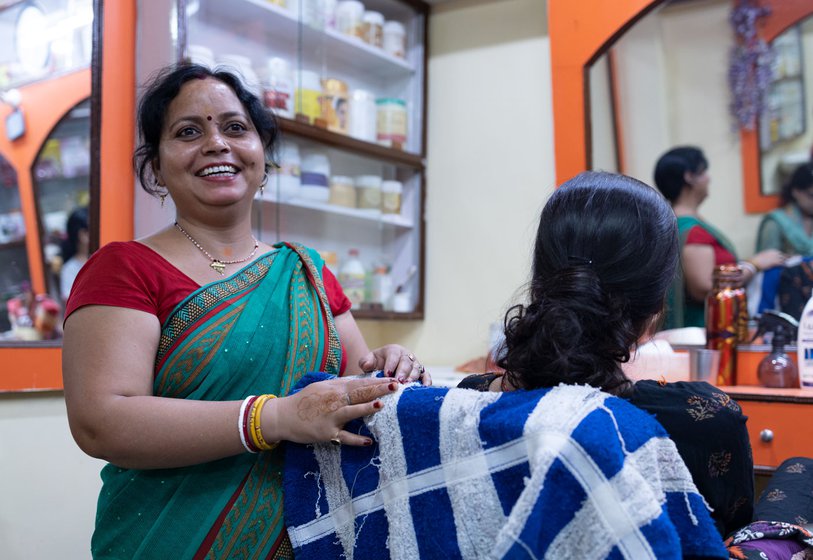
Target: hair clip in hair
column 573, row 259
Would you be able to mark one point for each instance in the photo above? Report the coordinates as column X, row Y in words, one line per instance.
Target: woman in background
column 75, row 250
column 790, row 228
column 681, row 174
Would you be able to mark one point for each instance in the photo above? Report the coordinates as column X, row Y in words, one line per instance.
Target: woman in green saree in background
column 181, row 348
column 790, row 228
column 681, row 174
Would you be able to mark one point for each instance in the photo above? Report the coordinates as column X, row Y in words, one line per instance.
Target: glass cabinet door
column 346, row 80
column 62, row 192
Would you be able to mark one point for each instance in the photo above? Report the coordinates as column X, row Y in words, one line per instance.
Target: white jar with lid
column 342, row 191
column 285, row 183
column 362, row 119
column 279, row 89
column 391, row 197
column 315, row 173
column 241, row 66
column 307, row 99
column 372, row 28
column 349, row 15
column 391, row 122
column 394, row 39
column 368, row 193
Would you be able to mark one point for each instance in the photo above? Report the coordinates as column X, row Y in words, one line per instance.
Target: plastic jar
column 279, row 89
column 342, row 191
column 241, row 65
column 289, row 174
column 308, row 92
column 372, row 28
column 335, row 108
column 368, row 192
column 353, row 279
column 362, row 120
column 391, row 122
column 391, row 197
column 315, row 171
column 349, row 15
column 394, row 40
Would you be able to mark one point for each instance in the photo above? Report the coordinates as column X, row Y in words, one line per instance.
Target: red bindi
column 209, row 117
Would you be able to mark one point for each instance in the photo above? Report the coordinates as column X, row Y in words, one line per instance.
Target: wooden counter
column 780, row 422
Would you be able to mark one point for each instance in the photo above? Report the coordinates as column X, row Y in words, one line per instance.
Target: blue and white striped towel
column 563, row 473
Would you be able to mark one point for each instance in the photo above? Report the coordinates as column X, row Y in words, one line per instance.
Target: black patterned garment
column 708, row 428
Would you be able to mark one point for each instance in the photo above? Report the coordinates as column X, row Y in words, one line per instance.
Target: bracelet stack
column 249, row 425
column 748, row 265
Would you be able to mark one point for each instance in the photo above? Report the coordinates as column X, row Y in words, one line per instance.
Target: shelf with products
column 351, row 110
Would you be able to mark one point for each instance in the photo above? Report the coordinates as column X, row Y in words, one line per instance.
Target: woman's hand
column 319, row 412
column 768, row 259
column 396, row 361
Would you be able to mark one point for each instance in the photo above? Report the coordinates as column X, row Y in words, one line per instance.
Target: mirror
column 45, row 131
column 663, row 82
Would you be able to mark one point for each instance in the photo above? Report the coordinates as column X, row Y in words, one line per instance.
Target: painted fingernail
column 392, row 386
column 389, row 373
column 368, row 442
column 377, row 404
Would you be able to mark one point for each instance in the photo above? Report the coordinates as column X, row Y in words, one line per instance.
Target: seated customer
column 563, row 471
column 790, row 228
column 605, row 255
column 681, row 174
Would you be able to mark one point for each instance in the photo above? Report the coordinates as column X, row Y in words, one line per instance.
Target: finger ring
column 335, row 439
column 411, row 357
column 349, row 400
column 422, row 370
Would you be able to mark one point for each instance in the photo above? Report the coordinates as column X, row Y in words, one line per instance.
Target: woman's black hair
column 164, row 87
column 801, row 180
column 77, row 221
column 671, row 169
column 606, row 252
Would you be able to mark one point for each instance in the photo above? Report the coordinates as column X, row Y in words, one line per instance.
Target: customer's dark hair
column 800, row 180
column 671, row 169
column 606, row 252
column 77, row 221
column 164, row 86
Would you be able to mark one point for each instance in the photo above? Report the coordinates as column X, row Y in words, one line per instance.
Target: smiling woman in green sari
column 181, row 348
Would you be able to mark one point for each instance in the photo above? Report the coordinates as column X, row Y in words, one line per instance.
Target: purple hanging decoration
column 750, row 70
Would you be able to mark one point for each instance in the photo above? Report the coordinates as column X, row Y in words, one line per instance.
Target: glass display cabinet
column 346, row 80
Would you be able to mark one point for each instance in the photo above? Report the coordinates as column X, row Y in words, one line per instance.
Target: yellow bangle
column 255, row 424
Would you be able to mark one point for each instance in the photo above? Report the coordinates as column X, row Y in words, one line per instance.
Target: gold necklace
column 218, row 265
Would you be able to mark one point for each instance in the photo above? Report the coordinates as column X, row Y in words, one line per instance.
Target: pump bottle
column 777, row 370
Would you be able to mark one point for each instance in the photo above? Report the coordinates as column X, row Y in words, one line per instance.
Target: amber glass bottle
column 726, row 320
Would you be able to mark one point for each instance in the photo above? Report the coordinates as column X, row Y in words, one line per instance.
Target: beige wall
column 490, row 170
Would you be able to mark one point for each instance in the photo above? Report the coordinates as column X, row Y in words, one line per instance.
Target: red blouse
column 699, row 236
column 131, row 275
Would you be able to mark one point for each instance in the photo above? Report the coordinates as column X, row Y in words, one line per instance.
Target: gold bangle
column 255, row 425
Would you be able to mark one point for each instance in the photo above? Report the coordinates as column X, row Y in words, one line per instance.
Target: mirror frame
column 582, row 31
column 38, row 366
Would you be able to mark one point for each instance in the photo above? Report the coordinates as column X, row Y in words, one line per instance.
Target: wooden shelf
column 392, row 220
column 351, row 145
column 369, row 314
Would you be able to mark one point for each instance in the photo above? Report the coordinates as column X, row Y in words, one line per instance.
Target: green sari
column 681, row 311
column 255, row 332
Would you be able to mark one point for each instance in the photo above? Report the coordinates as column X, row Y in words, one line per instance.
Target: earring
column 262, row 185
column 163, row 197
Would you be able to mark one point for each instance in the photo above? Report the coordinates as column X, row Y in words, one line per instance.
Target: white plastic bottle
column 353, row 278
column 804, row 346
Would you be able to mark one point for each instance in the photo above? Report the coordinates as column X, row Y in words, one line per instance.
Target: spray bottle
column 776, row 369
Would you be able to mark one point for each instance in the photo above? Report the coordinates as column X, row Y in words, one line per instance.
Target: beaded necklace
column 218, row 265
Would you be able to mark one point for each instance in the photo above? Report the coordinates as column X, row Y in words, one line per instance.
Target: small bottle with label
column 353, row 278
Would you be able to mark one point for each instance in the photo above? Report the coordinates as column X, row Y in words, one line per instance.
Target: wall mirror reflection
column 45, row 179
column 664, row 82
